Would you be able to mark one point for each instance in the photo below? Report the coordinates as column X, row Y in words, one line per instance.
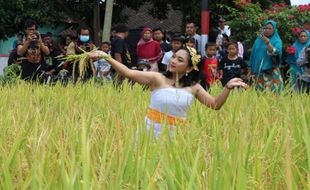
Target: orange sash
column 160, row 117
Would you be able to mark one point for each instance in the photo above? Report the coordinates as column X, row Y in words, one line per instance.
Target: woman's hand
column 266, row 40
column 235, row 82
column 97, row 54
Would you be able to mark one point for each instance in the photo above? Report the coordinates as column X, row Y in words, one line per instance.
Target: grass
column 93, row 137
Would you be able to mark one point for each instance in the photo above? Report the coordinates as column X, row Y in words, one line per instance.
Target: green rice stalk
column 84, row 136
column 83, row 60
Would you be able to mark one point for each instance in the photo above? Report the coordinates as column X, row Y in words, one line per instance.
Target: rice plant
column 93, row 137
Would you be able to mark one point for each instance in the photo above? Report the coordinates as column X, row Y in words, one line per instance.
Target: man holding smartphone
column 32, row 51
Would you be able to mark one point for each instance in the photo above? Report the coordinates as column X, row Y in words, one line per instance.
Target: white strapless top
column 172, row 101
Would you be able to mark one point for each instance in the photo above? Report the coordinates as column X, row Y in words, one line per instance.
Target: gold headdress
column 194, row 57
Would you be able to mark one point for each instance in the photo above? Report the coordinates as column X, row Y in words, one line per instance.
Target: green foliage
column 193, row 8
column 14, row 13
column 268, row 3
column 11, row 74
column 247, row 20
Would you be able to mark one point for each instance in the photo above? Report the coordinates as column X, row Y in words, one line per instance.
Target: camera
column 34, row 40
column 35, row 36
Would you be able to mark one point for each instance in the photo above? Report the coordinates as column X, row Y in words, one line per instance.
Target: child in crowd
column 210, row 63
column 222, row 50
column 176, row 44
column 190, row 42
column 232, row 66
column 66, row 41
column 102, row 67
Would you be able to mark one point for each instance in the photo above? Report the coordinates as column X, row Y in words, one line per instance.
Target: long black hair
column 191, row 78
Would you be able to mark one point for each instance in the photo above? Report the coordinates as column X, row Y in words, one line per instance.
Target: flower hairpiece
column 194, row 57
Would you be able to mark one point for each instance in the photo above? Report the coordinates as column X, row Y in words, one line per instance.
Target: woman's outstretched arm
column 145, row 78
column 217, row 102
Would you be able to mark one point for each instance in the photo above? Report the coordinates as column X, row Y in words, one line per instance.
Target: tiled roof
column 142, row 17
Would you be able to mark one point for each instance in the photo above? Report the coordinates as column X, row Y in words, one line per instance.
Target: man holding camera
column 32, row 52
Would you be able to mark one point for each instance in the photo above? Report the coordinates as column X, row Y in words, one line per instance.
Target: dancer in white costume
column 173, row 91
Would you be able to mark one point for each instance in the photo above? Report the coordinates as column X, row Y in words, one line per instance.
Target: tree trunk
column 96, row 23
column 107, row 20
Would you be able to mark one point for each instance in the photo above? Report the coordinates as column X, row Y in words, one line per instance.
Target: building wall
column 3, row 62
column 142, row 17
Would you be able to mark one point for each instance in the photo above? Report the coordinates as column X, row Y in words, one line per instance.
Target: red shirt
column 150, row 50
column 210, row 70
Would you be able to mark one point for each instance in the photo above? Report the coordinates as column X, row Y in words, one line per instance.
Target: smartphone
column 261, row 32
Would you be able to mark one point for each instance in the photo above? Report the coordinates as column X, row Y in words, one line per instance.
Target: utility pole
column 205, row 24
column 96, row 24
column 107, row 20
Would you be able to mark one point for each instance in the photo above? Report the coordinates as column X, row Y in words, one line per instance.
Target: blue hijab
column 291, row 59
column 260, row 60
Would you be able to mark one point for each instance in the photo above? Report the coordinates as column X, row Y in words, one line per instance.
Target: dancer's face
column 179, row 62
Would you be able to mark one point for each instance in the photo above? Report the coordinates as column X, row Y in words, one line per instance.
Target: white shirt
column 198, row 39
column 167, row 57
column 241, row 49
column 226, row 30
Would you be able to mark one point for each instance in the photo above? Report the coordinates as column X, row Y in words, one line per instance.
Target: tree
column 53, row 13
column 45, row 12
column 14, row 13
column 249, row 17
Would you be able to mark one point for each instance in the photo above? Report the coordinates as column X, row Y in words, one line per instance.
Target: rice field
column 93, row 137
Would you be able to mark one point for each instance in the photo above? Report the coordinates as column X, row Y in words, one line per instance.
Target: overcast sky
column 300, row 2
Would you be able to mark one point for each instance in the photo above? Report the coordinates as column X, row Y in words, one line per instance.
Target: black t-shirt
column 51, row 59
column 232, row 68
column 13, row 57
column 165, row 47
column 120, row 46
column 33, row 65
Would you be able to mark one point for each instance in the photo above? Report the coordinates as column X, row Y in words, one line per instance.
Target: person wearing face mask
column 83, row 42
column 76, row 47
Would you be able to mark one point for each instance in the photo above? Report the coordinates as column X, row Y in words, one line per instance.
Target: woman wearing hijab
column 148, row 50
column 297, row 69
column 266, row 58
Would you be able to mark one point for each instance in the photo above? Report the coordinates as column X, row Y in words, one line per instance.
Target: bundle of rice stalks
column 82, row 61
